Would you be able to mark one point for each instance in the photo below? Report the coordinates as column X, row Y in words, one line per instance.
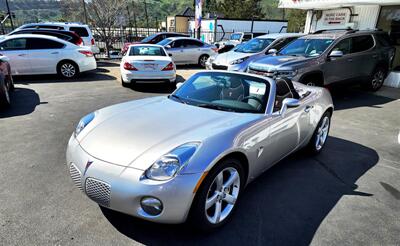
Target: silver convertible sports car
column 189, row 155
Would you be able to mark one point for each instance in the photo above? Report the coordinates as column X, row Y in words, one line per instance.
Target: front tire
column 217, row 197
column 320, row 136
column 67, row 70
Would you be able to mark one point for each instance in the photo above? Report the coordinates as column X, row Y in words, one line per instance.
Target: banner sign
column 336, row 17
column 198, row 14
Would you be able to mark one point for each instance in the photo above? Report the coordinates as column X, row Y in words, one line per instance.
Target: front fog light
column 151, row 206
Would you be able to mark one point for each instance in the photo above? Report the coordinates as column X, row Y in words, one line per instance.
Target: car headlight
column 83, row 123
column 289, row 73
column 168, row 165
column 238, row 61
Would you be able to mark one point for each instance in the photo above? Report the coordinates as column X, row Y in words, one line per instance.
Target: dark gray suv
column 332, row 56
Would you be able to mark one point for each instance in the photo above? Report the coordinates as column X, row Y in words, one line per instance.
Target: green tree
column 297, row 19
column 241, row 9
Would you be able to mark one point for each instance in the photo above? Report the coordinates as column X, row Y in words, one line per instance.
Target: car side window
column 362, row 43
column 41, row 44
column 343, row 46
column 81, row 31
column 192, row 44
column 177, row 44
column 14, row 44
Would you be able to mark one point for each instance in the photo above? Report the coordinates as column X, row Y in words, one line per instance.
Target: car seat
column 284, row 89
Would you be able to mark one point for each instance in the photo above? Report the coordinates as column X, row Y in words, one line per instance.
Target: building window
column 389, row 21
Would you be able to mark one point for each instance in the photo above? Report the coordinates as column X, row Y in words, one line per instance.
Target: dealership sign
column 336, row 17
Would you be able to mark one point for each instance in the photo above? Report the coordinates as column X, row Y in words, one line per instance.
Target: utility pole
column 134, row 19
column 147, row 17
column 84, row 11
column 9, row 15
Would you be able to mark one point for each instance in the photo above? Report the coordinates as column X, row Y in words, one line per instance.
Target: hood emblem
column 87, row 167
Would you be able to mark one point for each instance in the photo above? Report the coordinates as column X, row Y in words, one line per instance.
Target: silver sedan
column 189, row 155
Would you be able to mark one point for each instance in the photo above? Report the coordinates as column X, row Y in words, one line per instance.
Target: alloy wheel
column 322, row 133
column 222, row 195
column 378, row 79
column 203, row 61
column 68, row 70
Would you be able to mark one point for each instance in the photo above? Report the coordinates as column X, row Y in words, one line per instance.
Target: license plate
column 150, row 66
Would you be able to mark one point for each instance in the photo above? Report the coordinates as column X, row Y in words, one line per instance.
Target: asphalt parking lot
column 348, row 195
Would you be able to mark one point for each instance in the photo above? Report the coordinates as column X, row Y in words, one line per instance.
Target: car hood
column 226, row 58
column 125, row 132
column 271, row 63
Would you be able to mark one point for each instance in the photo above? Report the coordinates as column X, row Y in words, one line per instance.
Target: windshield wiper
column 177, row 98
column 214, row 106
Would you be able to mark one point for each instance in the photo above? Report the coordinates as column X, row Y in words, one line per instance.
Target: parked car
column 147, row 62
column 42, row 54
column 80, row 29
column 153, row 39
column 239, row 58
column 71, row 37
column 188, row 50
column 6, row 82
column 234, row 40
column 335, row 56
column 191, row 154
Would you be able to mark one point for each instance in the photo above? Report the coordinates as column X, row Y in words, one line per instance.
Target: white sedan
column 147, row 63
column 40, row 54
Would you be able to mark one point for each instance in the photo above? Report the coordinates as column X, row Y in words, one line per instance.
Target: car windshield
column 236, row 36
column 306, row 47
column 225, row 92
column 145, row 40
column 255, row 45
column 146, row 51
column 164, row 42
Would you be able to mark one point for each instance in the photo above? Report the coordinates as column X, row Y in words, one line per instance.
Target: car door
column 338, row 69
column 16, row 50
column 365, row 58
column 176, row 51
column 44, row 54
column 193, row 49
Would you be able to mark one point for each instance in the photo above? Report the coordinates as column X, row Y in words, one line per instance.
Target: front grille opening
column 98, row 191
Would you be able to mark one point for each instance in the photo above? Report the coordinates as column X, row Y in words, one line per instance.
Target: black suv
column 331, row 56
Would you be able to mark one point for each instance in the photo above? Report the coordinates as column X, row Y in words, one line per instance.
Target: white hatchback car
column 40, row 54
column 147, row 62
column 80, row 29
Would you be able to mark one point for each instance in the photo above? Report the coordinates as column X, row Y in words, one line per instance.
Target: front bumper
column 154, row 76
column 122, row 188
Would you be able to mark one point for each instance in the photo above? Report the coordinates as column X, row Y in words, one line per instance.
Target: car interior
column 284, row 89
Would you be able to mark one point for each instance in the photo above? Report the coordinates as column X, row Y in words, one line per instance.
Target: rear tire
column 67, row 70
column 218, row 191
column 203, row 60
column 377, row 79
column 5, row 100
column 125, row 84
column 320, row 135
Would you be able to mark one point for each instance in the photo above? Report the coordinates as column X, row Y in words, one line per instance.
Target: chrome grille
column 262, row 73
column 76, row 176
column 98, row 191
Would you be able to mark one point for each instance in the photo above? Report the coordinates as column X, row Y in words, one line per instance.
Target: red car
column 153, row 39
column 6, row 82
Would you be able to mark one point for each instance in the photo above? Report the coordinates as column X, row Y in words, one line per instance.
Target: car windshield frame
column 242, row 48
column 302, row 42
column 257, row 87
column 132, row 49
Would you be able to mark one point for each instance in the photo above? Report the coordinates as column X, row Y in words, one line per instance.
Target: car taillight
column 128, row 66
column 87, row 53
column 79, row 42
column 92, row 41
column 169, row 67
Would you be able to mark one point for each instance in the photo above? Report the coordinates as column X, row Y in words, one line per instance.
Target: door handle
column 350, row 59
column 54, row 53
column 375, row 56
column 22, row 55
column 308, row 108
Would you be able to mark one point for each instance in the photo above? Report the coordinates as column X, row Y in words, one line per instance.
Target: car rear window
column 362, row 43
column 81, row 31
column 146, row 51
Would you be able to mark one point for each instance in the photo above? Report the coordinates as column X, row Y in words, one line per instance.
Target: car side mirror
column 288, row 103
column 179, row 85
column 4, row 59
column 167, row 47
column 336, row 54
column 272, row 51
column 169, row 54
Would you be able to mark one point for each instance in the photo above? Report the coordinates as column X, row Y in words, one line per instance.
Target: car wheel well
column 67, row 60
column 330, row 110
column 318, row 77
column 242, row 158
